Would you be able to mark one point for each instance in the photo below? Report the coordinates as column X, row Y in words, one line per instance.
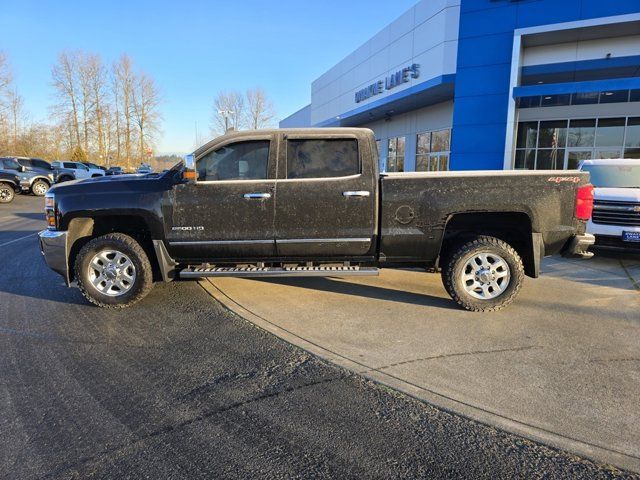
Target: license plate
column 631, row 236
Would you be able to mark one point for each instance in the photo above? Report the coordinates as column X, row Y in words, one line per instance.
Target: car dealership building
column 491, row 84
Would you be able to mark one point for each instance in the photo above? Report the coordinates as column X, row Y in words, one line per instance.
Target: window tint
column 69, row 165
column 237, row 161
column 25, row 162
column 322, row 158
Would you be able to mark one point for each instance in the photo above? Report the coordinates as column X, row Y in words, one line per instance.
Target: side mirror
column 189, row 168
column 23, row 168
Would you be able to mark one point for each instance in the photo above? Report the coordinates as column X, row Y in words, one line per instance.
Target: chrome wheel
column 485, row 275
column 40, row 188
column 6, row 194
column 112, row 273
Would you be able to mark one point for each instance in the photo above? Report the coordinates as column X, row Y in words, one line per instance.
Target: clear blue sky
column 193, row 49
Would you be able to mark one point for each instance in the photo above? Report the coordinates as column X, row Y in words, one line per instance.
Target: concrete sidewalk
column 561, row 365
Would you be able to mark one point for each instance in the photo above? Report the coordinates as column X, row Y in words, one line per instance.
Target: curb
column 595, row 453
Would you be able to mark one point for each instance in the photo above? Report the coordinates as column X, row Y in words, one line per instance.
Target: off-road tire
column 130, row 247
column 37, row 190
column 7, row 193
column 453, row 269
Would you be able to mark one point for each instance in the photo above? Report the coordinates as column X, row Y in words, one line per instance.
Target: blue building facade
column 492, row 84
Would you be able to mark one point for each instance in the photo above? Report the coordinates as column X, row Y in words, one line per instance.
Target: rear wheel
column 39, row 188
column 6, row 193
column 113, row 271
column 483, row 275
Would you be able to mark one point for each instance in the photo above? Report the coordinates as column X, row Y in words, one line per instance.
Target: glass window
column 575, row 157
column 322, row 158
column 528, row 102
column 610, row 132
column 550, row 159
column 41, row 164
column 525, row 159
column 584, row 98
column 527, row 136
column 633, row 132
column 552, row 134
column 424, row 143
column 632, row 153
column 432, row 151
column 395, row 155
column 614, row 96
column 440, row 141
column 555, row 100
column 69, row 165
column 634, row 96
column 237, row 161
column 581, row 133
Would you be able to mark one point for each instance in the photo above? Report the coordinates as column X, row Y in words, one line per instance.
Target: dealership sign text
column 392, row 81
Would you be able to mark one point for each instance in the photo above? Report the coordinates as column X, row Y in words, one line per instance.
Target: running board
column 199, row 272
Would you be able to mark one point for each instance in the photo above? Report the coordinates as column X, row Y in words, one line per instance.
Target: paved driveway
column 561, row 365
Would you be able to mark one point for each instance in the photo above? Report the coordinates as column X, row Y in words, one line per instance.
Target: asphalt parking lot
column 178, row 386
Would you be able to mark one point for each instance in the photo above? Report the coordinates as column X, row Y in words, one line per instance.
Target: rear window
column 322, row 158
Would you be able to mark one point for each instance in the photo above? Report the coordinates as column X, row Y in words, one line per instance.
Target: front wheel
column 113, row 271
column 483, row 275
column 6, row 193
column 39, row 188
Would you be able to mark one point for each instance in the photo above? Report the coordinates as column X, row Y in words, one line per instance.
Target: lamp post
column 226, row 114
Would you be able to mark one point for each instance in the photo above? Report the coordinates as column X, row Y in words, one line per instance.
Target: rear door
column 228, row 213
column 327, row 200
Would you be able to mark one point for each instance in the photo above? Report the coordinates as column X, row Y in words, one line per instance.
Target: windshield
column 614, row 176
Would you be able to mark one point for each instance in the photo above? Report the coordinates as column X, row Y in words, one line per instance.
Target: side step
column 199, row 272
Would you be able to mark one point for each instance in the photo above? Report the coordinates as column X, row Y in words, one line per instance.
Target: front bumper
column 54, row 248
column 578, row 246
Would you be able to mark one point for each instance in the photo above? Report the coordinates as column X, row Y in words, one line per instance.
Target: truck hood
column 618, row 194
column 107, row 184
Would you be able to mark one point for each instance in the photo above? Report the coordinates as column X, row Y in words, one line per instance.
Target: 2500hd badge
column 311, row 202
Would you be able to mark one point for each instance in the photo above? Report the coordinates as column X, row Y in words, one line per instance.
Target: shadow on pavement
column 30, row 215
column 368, row 291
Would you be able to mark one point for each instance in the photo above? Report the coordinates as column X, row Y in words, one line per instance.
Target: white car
column 80, row 171
column 616, row 208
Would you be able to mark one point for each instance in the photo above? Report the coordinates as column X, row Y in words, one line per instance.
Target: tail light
column 584, row 202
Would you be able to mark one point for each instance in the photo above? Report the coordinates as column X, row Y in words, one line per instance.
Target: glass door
column 575, row 155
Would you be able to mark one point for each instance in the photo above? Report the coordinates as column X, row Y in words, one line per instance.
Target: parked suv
column 42, row 166
column 616, row 209
column 31, row 181
column 78, row 169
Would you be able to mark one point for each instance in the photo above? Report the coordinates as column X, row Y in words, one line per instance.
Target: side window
column 237, row 161
column 322, row 158
column 69, row 165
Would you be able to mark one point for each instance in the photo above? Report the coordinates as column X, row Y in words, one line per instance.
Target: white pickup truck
column 616, row 210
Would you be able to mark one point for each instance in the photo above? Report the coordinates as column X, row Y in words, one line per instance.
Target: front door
column 327, row 203
column 228, row 214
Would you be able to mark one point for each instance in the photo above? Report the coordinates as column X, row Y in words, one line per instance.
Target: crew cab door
column 228, row 213
column 327, row 196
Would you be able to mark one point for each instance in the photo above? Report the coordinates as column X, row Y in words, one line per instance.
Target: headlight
column 50, row 211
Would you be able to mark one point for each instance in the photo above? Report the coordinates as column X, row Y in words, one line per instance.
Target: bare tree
column 145, row 102
column 228, row 111
column 123, row 72
column 260, row 112
column 64, row 76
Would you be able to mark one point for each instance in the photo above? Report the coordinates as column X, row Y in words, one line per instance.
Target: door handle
column 356, row 193
column 257, row 196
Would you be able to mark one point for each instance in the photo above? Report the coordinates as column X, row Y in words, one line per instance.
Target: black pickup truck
column 311, row 202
